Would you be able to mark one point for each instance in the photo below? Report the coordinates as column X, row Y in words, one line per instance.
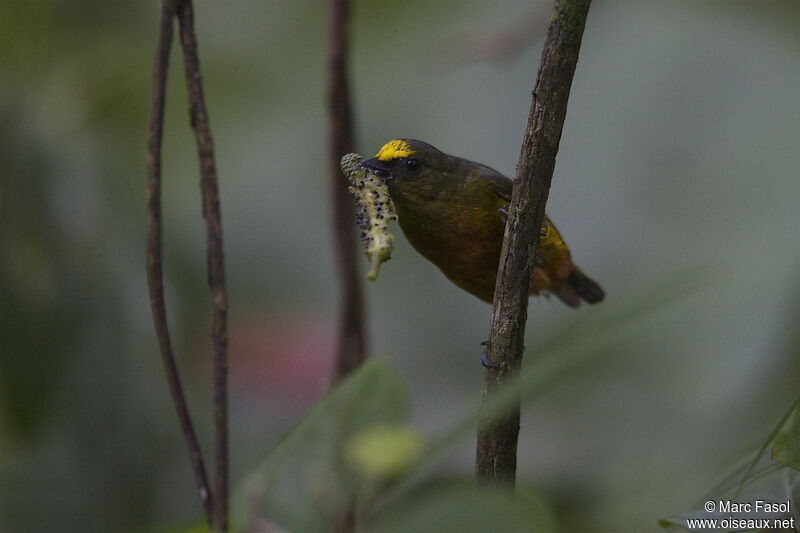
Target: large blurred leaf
column 786, row 449
column 311, row 478
column 305, row 483
column 759, row 479
column 767, row 481
column 547, row 363
column 460, row 506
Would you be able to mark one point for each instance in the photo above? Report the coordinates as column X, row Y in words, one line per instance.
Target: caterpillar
column 374, row 210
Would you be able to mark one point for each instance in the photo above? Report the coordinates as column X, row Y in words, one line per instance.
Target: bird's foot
column 504, row 213
column 485, row 356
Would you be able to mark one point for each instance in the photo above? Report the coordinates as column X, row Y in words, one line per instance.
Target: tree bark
column 496, row 457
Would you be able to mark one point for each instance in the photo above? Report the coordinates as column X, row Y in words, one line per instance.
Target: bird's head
column 412, row 168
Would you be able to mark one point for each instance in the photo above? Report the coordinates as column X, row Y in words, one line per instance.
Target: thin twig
column 351, row 349
column 351, row 343
column 155, row 276
column 216, row 264
column 496, row 457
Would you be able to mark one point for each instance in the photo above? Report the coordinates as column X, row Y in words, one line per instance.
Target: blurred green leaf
column 461, row 506
column 544, row 365
column 749, row 470
column 786, row 449
column 761, row 478
column 305, row 483
column 768, row 481
column 565, row 351
column 384, row 452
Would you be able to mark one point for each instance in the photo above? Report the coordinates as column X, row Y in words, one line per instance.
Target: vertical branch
column 216, row 266
column 351, row 349
column 496, row 457
column 155, row 276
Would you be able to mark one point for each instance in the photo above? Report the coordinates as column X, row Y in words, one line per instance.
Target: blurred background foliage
column 679, row 160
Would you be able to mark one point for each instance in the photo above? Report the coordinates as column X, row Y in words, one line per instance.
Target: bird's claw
column 504, row 213
column 485, row 356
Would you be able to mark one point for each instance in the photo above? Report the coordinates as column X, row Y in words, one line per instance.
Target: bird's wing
column 502, row 185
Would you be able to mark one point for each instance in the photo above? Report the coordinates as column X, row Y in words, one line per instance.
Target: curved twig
column 216, row 263
column 155, row 276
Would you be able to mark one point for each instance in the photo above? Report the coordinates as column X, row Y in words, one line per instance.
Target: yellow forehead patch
column 393, row 150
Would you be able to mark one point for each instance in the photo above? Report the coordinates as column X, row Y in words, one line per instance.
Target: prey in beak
column 377, row 167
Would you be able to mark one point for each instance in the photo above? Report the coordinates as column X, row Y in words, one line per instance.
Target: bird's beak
column 377, row 167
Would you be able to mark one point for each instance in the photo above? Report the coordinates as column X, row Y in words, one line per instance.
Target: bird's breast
column 463, row 241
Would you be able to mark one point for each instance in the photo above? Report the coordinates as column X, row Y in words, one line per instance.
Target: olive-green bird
column 453, row 212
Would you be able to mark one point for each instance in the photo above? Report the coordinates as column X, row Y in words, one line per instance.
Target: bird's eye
column 412, row 164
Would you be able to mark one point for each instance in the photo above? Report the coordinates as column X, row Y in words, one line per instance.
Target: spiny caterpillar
column 374, row 211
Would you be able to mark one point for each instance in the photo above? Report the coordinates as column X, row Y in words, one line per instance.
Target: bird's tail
column 578, row 286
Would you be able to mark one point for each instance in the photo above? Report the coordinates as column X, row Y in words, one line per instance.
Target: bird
column 453, row 212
